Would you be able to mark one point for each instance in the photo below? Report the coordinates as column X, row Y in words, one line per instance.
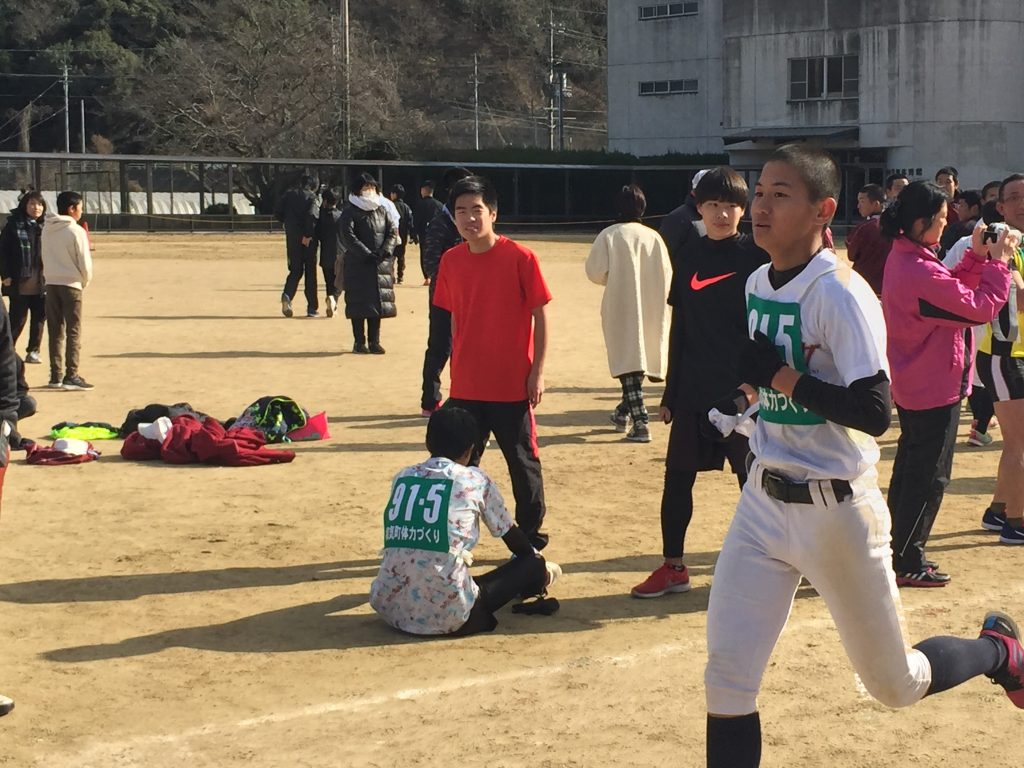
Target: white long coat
column 631, row 261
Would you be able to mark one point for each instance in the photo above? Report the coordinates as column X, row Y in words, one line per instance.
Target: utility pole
column 551, row 78
column 67, row 113
column 476, row 101
column 82, row 104
column 561, row 79
column 343, row 9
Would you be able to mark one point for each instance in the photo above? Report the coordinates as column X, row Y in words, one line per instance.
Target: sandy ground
column 165, row 616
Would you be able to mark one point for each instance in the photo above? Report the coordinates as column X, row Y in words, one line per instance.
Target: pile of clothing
column 187, row 440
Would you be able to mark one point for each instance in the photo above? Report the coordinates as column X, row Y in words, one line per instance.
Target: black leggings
column 982, row 409
column 372, row 329
column 677, row 509
column 520, row 577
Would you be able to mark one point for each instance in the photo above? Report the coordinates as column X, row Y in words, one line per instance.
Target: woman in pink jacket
column 929, row 311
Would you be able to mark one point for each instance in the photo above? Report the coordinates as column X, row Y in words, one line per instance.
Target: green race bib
column 417, row 516
column 780, row 321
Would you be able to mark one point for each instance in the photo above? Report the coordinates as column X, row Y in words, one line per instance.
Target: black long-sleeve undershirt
column 865, row 405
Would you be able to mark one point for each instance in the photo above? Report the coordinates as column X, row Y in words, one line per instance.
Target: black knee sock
column 955, row 660
column 734, row 742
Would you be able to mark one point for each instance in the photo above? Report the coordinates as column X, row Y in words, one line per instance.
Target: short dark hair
column 451, row 177
column 990, row 185
column 331, row 196
column 630, row 203
column 310, row 183
column 428, row 184
column 1008, row 181
column 27, row 198
column 816, row 167
column 918, row 200
column 990, row 212
column 362, row 180
column 874, row 192
column 397, row 189
column 970, row 196
column 723, row 184
column 892, row 178
column 950, row 171
column 66, row 201
column 451, row 432
column 475, row 185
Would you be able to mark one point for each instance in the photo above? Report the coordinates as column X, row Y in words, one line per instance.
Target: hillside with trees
column 267, row 78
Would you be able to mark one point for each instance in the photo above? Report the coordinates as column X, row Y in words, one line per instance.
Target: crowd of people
column 778, row 356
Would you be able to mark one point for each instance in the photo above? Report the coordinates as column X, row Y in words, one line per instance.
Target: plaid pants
column 633, row 398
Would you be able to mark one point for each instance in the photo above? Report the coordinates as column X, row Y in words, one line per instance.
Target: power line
column 35, row 124
column 30, row 103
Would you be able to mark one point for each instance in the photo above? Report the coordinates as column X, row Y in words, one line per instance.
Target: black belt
column 781, row 489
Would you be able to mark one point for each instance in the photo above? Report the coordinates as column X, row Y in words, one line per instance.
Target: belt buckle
column 775, row 485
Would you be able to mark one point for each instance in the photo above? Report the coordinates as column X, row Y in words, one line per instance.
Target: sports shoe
column 286, row 305
column 55, row 381
column 639, row 433
column 979, row 439
column 76, row 382
column 6, row 705
column 619, row 420
column 360, row 348
column 312, row 313
column 1011, row 676
column 927, row 577
column 664, row 580
column 993, row 521
column 376, row 348
column 1011, row 534
column 554, row 573
column 33, row 356
column 332, row 306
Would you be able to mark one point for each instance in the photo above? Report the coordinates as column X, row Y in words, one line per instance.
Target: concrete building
column 910, row 85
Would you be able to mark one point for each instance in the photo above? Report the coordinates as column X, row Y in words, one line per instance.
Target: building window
column 824, row 77
column 667, row 10
column 666, row 87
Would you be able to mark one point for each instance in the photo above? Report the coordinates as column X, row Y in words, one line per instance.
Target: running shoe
column 1011, row 675
column 554, row 573
column 640, row 433
column 6, row 705
column 332, row 306
column 1011, row 534
column 286, row 305
column 664, row 580
column 33, row 356
column 360, row 348
column 926, row 577
column 619, row 420
column 312, row 313
column 979, row 439
column 76, row 382
column 376, row 348
column 993, row 521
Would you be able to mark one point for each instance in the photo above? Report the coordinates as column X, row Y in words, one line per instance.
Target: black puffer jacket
column 369, row 239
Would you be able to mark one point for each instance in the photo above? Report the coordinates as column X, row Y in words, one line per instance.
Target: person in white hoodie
column 67, row 269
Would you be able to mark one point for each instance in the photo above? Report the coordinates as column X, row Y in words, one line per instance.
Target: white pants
column 843, row 548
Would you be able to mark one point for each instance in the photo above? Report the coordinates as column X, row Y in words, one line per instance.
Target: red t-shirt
column 491, row 296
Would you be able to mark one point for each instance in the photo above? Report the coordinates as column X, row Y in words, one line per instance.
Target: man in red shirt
column 497, row 297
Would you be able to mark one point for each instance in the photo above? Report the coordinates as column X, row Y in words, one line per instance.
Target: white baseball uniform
column 827, row 323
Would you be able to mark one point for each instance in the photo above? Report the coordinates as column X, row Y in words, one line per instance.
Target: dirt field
column 160, row 616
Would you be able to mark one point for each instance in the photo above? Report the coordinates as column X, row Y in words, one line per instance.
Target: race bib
column 417, row 516
column 780, row 322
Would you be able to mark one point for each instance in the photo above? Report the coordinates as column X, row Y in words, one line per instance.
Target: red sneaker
column 664, row 580
column 1003, row 629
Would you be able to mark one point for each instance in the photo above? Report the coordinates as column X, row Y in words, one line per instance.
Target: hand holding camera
column 996, row 241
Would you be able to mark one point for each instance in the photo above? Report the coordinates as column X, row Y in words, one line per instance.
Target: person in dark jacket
column 328, row 236
column 369, row 239
column 299, row 211
column 426, row 209
column 21, row 267
column 405, row 227
column 866, row 246
column 439, row 235
column 8, row 419
column 683, row 224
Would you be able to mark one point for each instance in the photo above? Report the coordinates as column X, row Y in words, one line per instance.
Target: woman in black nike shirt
column 709, row 325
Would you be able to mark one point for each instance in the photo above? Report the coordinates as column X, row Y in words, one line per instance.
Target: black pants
column 982, row 409
column 302, row 265
column 400, row 260
column 920, row 474
column 521, row 577
column 21, row 306
column 439, row 349
column 372, row 329
column 516, row 433
column 677, row 509
column 328, row 267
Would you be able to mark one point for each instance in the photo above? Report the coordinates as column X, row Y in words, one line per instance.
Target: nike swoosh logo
column 697, row 284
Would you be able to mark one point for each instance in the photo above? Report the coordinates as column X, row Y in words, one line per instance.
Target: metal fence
column 180, row 193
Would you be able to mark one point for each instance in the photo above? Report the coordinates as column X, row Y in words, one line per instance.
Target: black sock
column 734, row 742
column 955, row 660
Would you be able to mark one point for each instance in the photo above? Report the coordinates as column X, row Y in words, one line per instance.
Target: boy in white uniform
column 812, row 505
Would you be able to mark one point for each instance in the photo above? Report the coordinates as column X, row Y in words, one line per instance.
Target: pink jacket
column 927, row 308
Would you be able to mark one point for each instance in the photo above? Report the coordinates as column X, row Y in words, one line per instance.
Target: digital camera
column 992, row 232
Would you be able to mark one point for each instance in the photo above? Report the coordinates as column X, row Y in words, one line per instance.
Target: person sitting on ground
column 432, row 523
column 26, row 407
